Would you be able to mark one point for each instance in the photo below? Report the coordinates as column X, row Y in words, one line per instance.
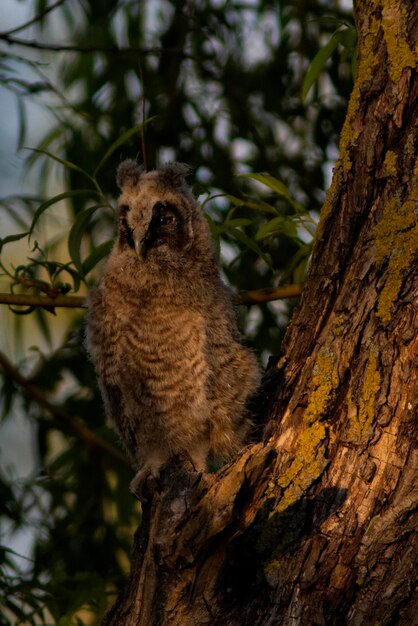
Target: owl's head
column 160, row 222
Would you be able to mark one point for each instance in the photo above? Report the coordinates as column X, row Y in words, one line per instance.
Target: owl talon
column 143, row 485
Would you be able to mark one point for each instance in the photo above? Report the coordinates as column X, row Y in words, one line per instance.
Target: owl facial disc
column 165, row 228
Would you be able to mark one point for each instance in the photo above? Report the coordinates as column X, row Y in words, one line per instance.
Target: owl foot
column 144, row 484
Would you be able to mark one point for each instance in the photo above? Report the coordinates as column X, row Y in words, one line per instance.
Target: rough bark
column 317, row 523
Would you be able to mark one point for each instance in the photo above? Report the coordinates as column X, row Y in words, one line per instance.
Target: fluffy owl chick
column 161, row 330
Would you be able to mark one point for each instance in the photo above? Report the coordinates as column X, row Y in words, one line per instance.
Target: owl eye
column 164, row 213
column 164, row 220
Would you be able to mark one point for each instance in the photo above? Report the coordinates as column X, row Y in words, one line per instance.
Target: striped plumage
column 161, row 330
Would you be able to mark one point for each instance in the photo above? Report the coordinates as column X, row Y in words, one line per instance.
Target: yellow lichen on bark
column 349, row 135
column 396, row 241
column 367, row 62
column 400, row 55
column 309, row 459
column 390, row 164
column 362, row 418
column 323, row 382
column 307, row 466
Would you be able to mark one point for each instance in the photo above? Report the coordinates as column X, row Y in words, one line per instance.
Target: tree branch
column 88, row 437
column 257, row 296
column 43, row 301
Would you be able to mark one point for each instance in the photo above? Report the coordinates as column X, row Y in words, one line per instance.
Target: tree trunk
column 317, row 523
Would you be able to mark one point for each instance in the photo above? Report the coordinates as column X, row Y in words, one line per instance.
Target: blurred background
column 252, row 95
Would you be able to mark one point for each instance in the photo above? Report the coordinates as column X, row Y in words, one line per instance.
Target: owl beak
column 141, row 245
column 138, row 245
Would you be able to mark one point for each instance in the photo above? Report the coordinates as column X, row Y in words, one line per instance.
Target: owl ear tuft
column 128, row 173
column 174, row 174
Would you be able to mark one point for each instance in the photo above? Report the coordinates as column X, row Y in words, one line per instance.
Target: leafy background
column 252, row 95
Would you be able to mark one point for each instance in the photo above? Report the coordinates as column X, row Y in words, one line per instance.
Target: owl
column 174, row 375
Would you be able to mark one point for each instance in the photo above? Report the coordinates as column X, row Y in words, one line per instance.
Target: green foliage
column 215, row 85
column 346, row 38
column 77, row 506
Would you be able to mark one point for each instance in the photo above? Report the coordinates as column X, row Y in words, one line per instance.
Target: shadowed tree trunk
column 317, row 523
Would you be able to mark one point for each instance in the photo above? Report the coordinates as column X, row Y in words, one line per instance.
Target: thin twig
column 52, row 47
column 35, row 19
column 143, row 146
column 269, row 294
column 88, row 437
